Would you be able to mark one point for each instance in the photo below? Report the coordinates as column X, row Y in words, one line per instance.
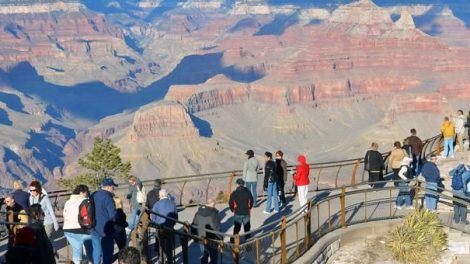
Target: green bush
column 103, row 161
column 420, row 240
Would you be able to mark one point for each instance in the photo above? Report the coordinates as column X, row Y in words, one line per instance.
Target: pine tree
column 102, row 162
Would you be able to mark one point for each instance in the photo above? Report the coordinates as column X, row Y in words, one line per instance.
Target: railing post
column 308, row 224
column 343, row 207
column 236, row 249
column 283, row 241
column 184, row 243
column 229, row 186
column 416, row 197
column 353, row 175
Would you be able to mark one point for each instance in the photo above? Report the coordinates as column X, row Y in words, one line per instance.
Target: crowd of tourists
column 95, row 222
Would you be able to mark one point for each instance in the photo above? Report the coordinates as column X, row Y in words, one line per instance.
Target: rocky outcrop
column 162, row 120
column 36, row 8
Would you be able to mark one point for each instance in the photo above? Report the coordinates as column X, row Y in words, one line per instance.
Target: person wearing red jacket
column 301, row 179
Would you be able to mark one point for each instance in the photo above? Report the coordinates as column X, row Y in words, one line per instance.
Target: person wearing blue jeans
column 272, row 196
column 75, row 231
column 250, row 174
column 448, row 132
column 460, row 176
column 252, row 187
column 405, row 173
column 135, row 185
column 105, row 216
column 270, row 183
column 432, row 176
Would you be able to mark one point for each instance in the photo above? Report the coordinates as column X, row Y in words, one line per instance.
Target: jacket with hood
column 250, row 170
column 105, row 213
column 270, row 174
column 241, row 201
column 448, row 130
column 302, row 172
column 207, row 218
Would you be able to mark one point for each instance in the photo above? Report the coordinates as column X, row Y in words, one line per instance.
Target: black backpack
column 408, row 173
column 86, row 213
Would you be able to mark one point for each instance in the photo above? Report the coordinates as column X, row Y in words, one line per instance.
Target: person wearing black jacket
column 271, row 179
column 467, row 125
column 153, row 197
column 206, row 219
column 374, row 164
column 240, row 203
column 281, row 170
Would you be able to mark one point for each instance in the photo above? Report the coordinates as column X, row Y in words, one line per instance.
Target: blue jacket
column 166, row 207
column 105, row 213
column 21, row 198
column 430, row 172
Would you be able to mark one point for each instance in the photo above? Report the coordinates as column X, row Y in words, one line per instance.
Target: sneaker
column 128, row 230
column 410, row 207
column 452, row 157
column 399, row 207
column 276, row 211
column 266, row 212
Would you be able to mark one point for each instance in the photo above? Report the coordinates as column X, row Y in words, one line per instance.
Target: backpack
column 457, row 181
column 408, row 173
column 86, row 213
column 141, row 196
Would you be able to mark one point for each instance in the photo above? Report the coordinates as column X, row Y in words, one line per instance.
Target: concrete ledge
column 324, row 248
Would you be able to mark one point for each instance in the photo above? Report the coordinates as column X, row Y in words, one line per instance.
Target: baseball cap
column 108, row 182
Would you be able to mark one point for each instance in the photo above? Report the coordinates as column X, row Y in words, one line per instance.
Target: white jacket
column 459, row 122
column 71, row 212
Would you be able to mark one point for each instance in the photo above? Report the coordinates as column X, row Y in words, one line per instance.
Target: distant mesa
column 164, row 119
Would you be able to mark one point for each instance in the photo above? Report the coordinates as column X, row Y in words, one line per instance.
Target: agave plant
column 420, row 240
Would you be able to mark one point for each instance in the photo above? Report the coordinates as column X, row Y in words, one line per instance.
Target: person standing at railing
column 120, row 224
column 50, row 221
column 270, row 183
column 282, row 178
column 15, row 214
column 459, row 122
column 395, row 161
column 166, row 207
column 42, row 242
column 460, row 178
column 432, row 176
column 102, row 233
column 301, row 179
column 21, row 197
column 448, row 132
column 153, row 196
column 206, row 219
column 374, row 164
column 404, row 195
column 250, row 174
column 135, row 186
column 416, row 148
column 467, row 125
column 240, row 203
column 73, row 231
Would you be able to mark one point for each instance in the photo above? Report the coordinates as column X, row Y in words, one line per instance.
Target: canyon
column 185, row 87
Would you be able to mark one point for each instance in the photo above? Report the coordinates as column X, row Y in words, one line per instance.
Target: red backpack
column 86, row 213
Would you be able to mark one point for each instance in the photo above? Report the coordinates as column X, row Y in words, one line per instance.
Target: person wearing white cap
column 404, row 195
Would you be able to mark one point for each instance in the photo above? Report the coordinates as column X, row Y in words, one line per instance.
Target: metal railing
column 328, row 176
